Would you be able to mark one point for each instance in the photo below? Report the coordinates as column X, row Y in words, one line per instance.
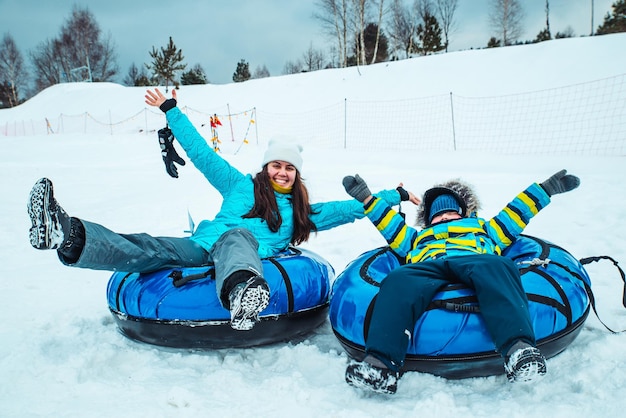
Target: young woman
column 259, row 217
column 455, row 245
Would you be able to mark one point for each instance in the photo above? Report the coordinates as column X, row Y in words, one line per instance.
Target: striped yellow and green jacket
column 464, row 236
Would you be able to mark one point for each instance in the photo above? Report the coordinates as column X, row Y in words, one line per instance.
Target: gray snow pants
column 235, row 250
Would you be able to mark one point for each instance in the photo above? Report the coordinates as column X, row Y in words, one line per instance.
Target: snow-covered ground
column 61, row 353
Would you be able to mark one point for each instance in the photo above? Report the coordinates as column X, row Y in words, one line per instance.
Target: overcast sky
column 218, row 34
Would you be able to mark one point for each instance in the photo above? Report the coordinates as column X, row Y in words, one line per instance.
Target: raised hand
column 157, row 99
column 356, row 187
column 560, row 182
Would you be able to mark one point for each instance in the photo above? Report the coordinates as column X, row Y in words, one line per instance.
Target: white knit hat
column 281, row 150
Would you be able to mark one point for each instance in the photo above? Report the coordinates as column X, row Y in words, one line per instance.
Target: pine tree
column 544, row 35
column 194, row 76
column 5, row 95
column 429, row 35
column 369, row 38
column 166, row 63
column 137, row 77
column 494, row 43
column 242, row 73
column 616, row 22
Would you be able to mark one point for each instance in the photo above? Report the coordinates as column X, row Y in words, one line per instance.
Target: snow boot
column 524, row 363
column 247, row 300
column 372, row 374
column 50, row 223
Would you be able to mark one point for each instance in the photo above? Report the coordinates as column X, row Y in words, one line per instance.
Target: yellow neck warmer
column 279, row 188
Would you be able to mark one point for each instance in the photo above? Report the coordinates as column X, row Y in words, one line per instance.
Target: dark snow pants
column 235, row 250
column 408, row 290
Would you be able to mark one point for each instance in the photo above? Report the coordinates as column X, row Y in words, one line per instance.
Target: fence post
column 453, row 128
column 230, row 122
column 256, row 125
column 345, row 123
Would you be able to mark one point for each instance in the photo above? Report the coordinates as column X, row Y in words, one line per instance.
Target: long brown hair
column 266, row 208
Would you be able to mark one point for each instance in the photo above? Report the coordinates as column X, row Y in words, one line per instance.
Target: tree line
column 363, row 32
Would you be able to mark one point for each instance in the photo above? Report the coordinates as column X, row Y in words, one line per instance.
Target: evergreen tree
column 567, row 33
column 137, row 77
column 616, row 22
column 369, row 39
column 194, row 76
column 544, row 35
column 166, row 63
column 242, row 73
column 494, row 43
column 5, row 95
column 429, row 35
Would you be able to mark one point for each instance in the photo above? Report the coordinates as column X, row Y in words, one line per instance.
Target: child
column 454, row 246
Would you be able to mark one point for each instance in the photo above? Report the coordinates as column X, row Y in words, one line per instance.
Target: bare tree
column 105, row 67
column 47, row 65
column 548, row 16
column 333, row 14
column 82, row 46
column 506, row 18
column 402, row 27
column 313, row 59
column 361, row 18
column 445, row 12
column 347, row 20
column 132, row 76
column 358, row 23
column 380, row 22
column 79, row 53
column 12, row 71
column 261, row 72
column 137, row 77
column 423, row 7
column 292, row 67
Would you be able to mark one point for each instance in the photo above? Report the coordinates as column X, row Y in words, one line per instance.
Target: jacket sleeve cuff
column 370, row 203
column 167, row 105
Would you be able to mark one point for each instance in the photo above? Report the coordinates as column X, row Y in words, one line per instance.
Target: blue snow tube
column 450, row 339
column 149, row 308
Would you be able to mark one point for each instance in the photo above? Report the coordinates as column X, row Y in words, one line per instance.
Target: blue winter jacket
column 237, row 190
column 463, row 236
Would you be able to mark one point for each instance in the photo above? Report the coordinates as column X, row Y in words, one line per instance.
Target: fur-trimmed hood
column 464, row 190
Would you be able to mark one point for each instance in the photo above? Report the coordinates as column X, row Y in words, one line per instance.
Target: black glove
column 560, row 183
column 170, row 156
column 167, row 105
column 356, row 187
column 404, row 195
